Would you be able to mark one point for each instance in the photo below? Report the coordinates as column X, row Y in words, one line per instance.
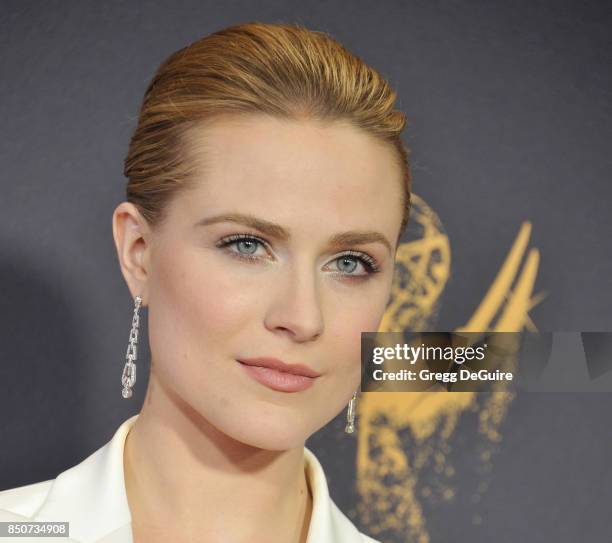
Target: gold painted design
column 404, row 440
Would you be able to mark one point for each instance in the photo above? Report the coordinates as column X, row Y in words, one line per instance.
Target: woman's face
column 281, row 289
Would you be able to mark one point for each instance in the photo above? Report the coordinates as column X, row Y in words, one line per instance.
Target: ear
column 132, row 237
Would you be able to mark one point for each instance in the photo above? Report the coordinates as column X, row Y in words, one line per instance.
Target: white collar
column 91, row 497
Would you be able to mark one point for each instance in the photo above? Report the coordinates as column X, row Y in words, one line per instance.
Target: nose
column 295, row 305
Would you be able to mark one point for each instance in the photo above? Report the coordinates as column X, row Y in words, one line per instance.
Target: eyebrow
column 353, row 237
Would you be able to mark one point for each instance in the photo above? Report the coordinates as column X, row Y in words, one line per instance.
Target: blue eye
column 354, row 257
column 242, row 241
column 246, row 246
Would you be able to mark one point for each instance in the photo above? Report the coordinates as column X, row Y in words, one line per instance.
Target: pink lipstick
column 278, row 375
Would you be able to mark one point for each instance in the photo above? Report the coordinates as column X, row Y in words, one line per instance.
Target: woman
column 268, row 189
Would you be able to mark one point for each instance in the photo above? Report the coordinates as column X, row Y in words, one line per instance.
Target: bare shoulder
column 25, row 500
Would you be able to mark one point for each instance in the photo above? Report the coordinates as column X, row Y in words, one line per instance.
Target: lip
column 279, row 376
column 279, row 365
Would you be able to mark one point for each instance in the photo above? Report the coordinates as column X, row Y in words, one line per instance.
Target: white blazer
column 91, row 497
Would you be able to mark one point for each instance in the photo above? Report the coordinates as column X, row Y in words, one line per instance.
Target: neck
column 182, row 472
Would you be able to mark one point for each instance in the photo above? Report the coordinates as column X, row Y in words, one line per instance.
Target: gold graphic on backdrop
column 402, row 437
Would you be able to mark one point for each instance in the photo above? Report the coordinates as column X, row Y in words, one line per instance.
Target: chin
column 270, row 437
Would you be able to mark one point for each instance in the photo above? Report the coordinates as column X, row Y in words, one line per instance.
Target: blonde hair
column 281, row 70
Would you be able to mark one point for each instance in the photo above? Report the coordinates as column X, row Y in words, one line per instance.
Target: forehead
column 282, row 168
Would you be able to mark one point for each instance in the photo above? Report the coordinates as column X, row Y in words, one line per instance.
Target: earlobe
column 130, row 236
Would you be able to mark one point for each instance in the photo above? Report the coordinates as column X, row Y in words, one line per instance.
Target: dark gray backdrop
column 509, row 112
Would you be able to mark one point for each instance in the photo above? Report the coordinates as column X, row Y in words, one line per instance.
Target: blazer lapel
column 328, row 524
column 91, row 495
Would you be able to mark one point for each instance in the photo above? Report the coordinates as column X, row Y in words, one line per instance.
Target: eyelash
column 369, row 263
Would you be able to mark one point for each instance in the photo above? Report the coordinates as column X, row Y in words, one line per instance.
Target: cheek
column 196, row 291
column 362, row 314
column 194, row 308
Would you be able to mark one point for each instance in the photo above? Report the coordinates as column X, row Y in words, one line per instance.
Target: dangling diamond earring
column 128, row 377
column 350, row 415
